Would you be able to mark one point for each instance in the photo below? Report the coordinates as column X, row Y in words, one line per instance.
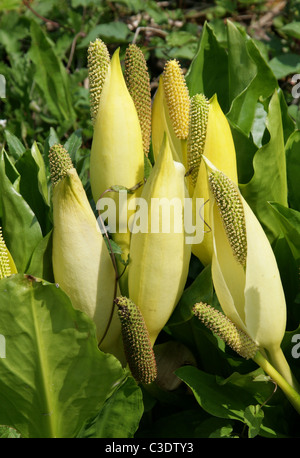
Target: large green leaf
column 250, row 78
column 50, row 76
column 224, row 398
column 204, row 76
column 269, row 181
column 292, row 29
column 120, row 415
column 21, row 229
column 285, row 64
column 53, row 378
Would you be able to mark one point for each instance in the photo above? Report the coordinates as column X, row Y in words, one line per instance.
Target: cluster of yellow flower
column 194, row 157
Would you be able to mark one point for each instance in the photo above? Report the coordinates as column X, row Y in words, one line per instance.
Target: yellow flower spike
column 159, row 254
column 219, row 149
column 241, row 343
column 117, row 156
column 244, row 270
column 161, row 124
column 82, row 265
column 138, row 83
column 222, row 326
column 177, row 96
column 98, row 62
column 139, row 352
column 7, row 265
column 197, row 135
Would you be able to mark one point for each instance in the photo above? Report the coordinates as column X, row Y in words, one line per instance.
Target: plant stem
column 290, row 392
column 278, row 360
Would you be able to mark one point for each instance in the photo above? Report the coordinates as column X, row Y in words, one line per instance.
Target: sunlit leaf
column 53, row 377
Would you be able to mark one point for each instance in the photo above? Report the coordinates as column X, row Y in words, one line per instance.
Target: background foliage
column 247, row 53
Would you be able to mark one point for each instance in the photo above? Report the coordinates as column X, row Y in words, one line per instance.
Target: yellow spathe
column 159, row 261
column 117, row 156
column 81, row 262
column 250, row 293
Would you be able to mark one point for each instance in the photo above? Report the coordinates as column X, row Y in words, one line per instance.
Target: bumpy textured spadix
column 229, row 202
column 219, row 149
column 197, row 133
column 7, row 265
column 81, row 262
column 223, row 327
column 60, row 163
column 138, row 83
column 159, row 255
column 137, row 346
column 161, row 124
column 98, row 62
column 177, row 97
column 244, row 269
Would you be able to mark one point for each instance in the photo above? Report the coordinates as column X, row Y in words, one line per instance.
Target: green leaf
column 33, row 185
column 204, row 76
column 285, row 64
column 250, row 78
column 73, row 144
column 53, row 378
column 224, row 398
column 41, row 260
column 245, row 150
column 21, row 229
column 53, row 83
column 180, row 38
column 15, row 147
column 253, row 418
column 111, row 421
column 293, row 169
column 292, row 29
column 112, row 32
column 10, row 4
column 7, row 432
column 289, row 221
column 259, row 124
column 41, row 173
column 269, row 182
